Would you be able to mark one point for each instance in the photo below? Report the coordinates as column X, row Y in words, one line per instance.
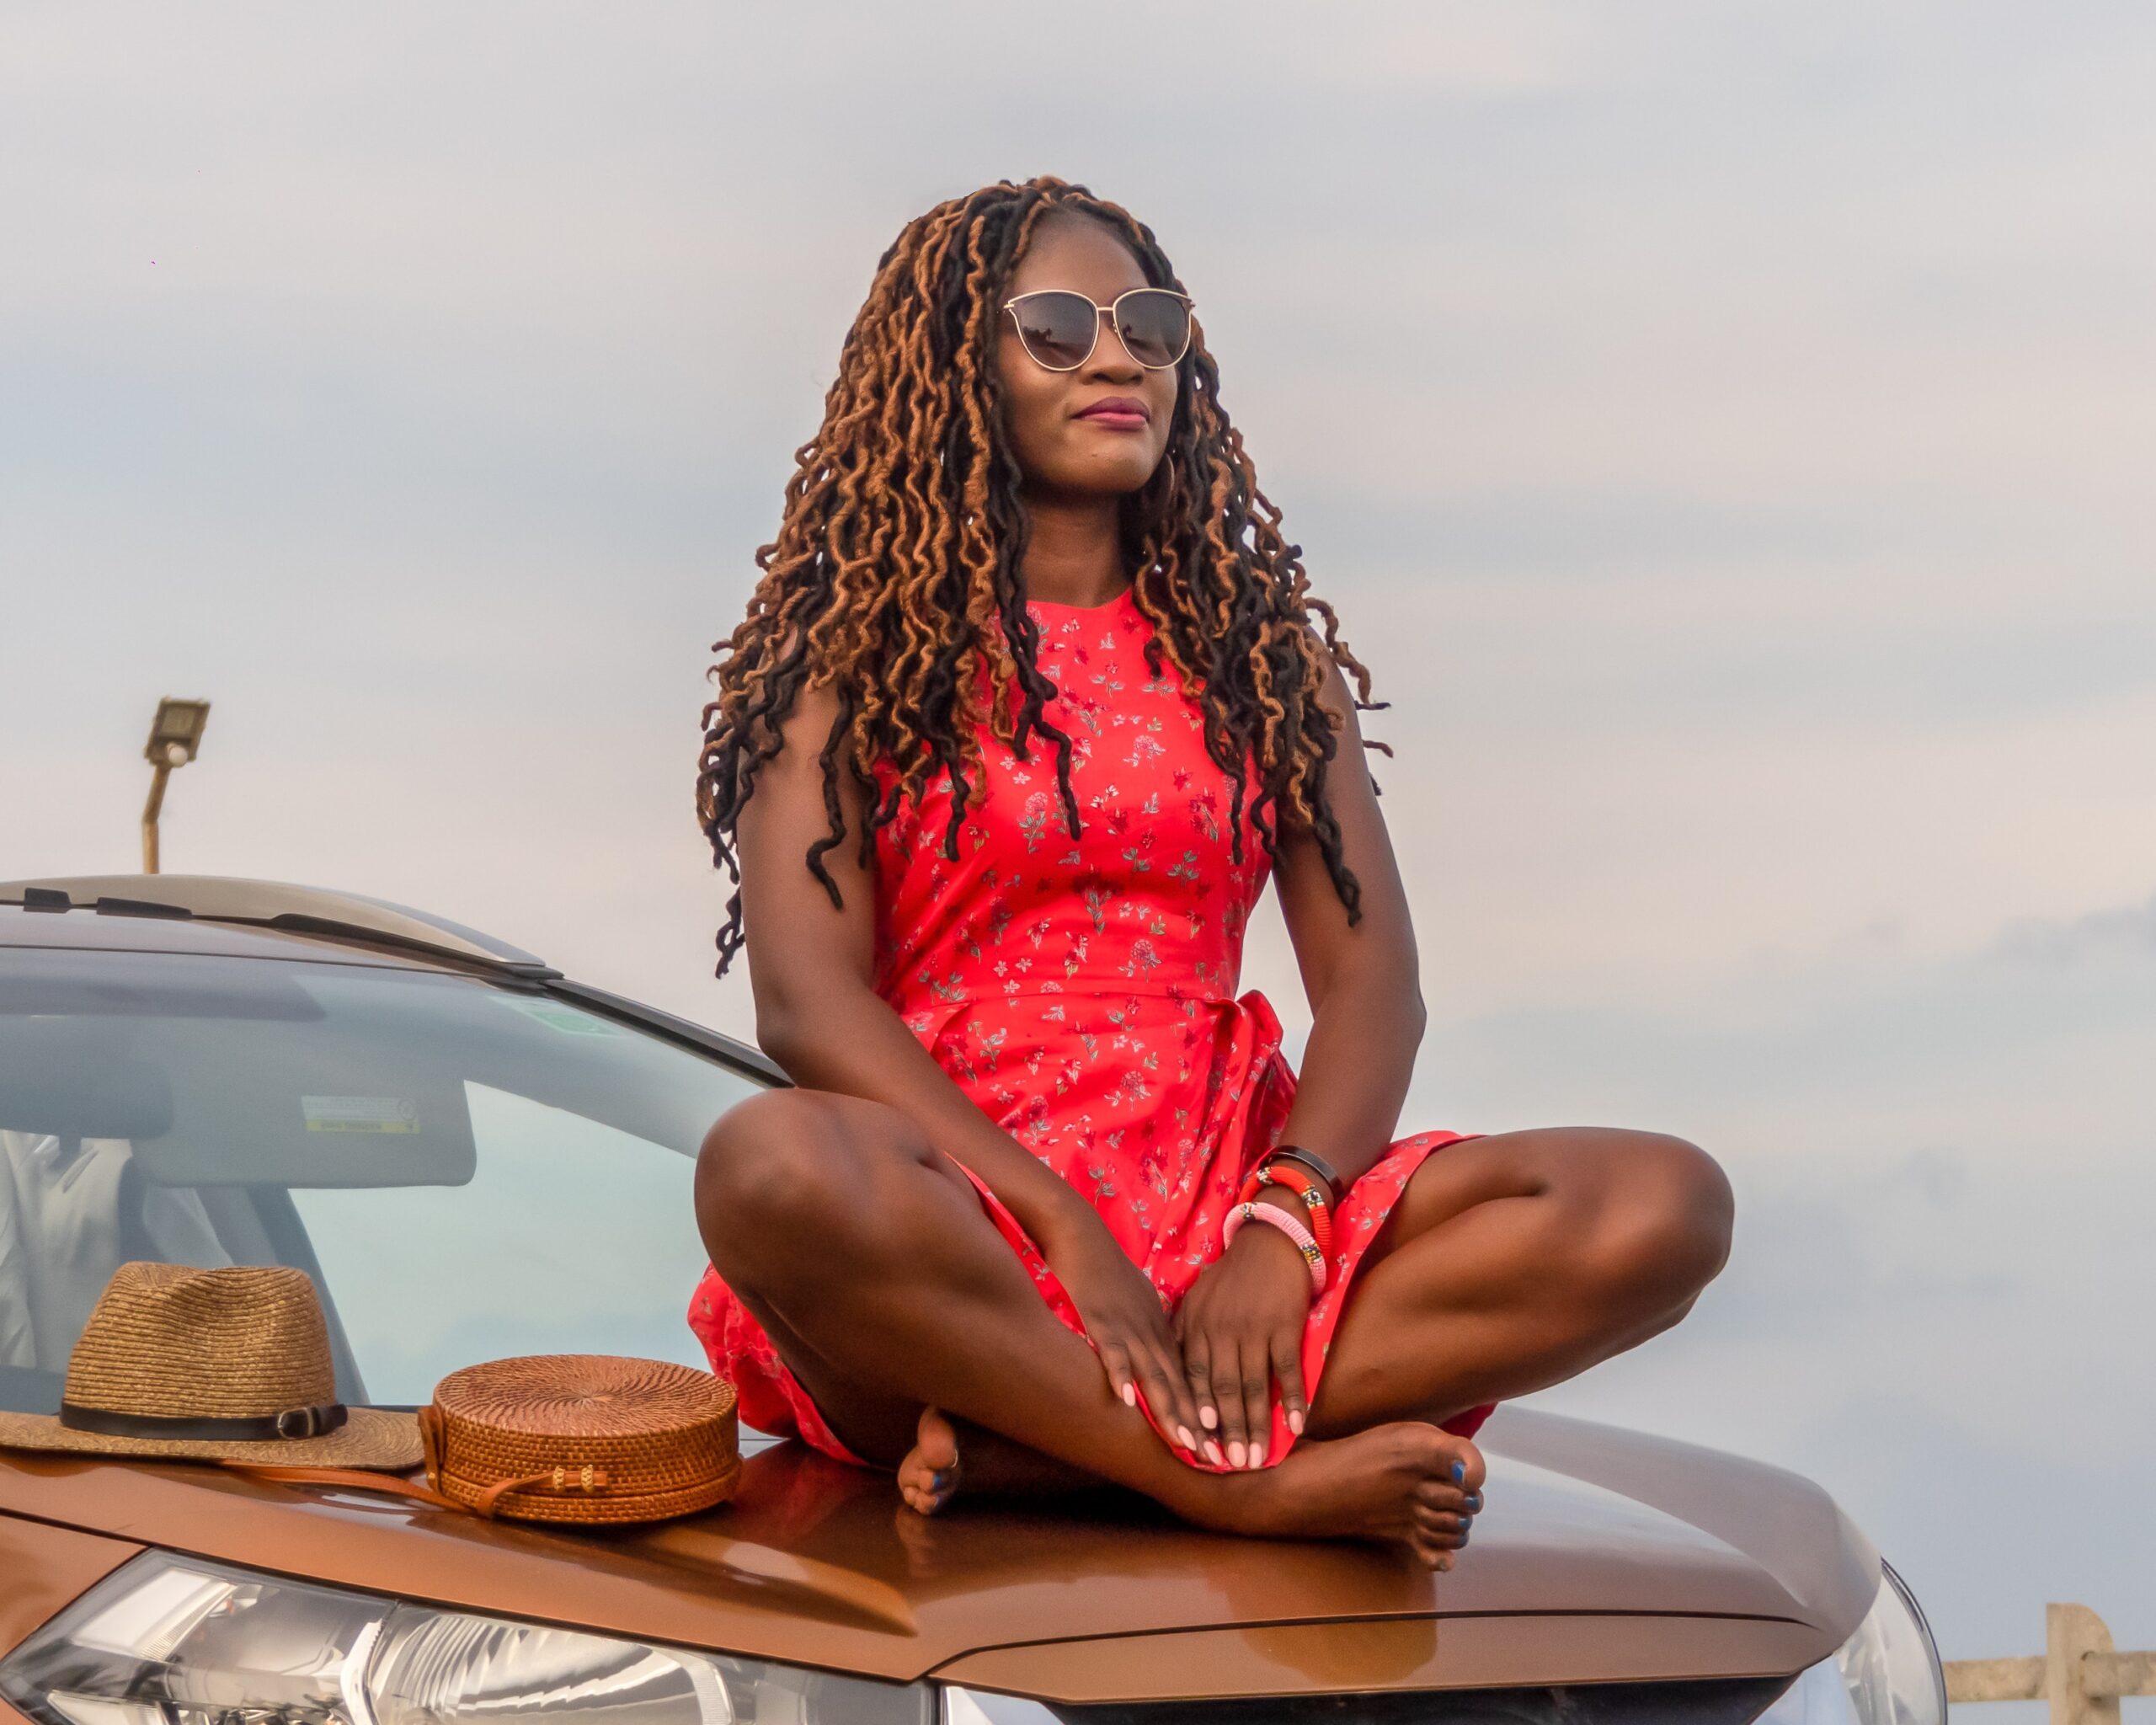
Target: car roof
column 223, row 916
column 343, row 919
column 142, row 934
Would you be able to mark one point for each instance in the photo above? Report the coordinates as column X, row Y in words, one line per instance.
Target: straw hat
column 212, row 1365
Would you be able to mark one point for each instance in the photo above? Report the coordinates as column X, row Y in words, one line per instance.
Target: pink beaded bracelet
column 1273, row 1216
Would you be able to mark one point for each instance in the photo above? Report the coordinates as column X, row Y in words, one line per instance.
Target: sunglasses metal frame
column 1190, row 327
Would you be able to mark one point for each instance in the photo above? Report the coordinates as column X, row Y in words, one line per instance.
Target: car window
column 467, row 1169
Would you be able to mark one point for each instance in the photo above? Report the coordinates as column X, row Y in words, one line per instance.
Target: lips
column 1119, row 413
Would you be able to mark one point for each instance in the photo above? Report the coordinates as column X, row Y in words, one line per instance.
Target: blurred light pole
column 175, row 734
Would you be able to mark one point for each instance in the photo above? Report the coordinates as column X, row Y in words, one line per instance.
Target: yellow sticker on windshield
column 358, row 1113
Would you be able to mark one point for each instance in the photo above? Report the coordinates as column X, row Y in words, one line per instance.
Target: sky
column 1725, row 432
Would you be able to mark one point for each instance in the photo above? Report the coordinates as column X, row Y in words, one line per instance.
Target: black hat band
column 292, row 1423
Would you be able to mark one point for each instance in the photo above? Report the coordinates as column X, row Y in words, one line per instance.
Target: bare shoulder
column 1333, row 687
column 781, row 743
column 815, row 710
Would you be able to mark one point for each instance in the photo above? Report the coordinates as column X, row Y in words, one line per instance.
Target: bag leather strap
column 353, row 1478
column 556, row 1481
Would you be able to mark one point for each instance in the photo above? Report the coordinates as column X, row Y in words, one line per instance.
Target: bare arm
column 812, row 965
column 1366, row 1000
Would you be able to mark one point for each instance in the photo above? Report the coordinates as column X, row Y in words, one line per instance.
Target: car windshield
column 467, row 1169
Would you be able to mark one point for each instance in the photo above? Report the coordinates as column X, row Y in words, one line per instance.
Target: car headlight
column 177, row 1641
column 1887, row 1673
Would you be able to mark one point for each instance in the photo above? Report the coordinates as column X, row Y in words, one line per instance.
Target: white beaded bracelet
column 1273, row 1216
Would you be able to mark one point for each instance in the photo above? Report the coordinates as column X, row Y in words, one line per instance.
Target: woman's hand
column 1128, row 1326
column 1241, row 1327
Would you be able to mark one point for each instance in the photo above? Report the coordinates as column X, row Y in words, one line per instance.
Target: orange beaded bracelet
column 1305, row 1187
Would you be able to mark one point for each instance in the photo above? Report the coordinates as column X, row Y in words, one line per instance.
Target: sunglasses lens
column 1155, row 325
column 1058, row 328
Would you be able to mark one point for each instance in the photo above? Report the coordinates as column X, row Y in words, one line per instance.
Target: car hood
column 1603, row 1555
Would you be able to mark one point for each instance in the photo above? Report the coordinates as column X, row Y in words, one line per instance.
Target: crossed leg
column 1516, row 1261
column 1511, row 1262
column 869, row 1261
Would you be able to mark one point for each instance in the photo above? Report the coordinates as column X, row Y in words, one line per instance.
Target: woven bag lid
column 582, row 1437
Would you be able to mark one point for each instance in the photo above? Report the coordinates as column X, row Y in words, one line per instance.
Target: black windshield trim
column 739, row 1056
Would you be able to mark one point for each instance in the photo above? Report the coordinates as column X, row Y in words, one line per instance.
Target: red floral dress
column 1082, row 993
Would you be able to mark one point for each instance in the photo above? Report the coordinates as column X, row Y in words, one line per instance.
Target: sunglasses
column 1060, row 328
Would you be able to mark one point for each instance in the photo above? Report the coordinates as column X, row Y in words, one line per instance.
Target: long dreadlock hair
column 894, row 577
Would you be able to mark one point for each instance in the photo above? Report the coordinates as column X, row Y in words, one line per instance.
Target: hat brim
column 374, row 1438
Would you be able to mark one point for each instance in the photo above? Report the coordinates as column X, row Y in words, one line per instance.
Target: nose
column 1111, row 362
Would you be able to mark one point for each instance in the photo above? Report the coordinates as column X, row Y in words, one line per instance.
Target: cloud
column 2127, row 933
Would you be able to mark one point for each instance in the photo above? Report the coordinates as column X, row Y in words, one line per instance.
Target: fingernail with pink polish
column 1236, row 1454
column 1258, row 1455
column 1184, row 1438
column 1208, row 1418
column 1130, row 1394
column 1212, row 1454
column 1295, row 1421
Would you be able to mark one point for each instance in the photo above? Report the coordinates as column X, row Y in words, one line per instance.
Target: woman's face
column 1099, row 431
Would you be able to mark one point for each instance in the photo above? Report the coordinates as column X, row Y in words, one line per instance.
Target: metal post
column 157, row 777
column 175, row 736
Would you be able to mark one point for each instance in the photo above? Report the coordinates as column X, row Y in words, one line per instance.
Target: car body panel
column 1390, row 1653
column 42, row 1569
column 1788, row 1524
column 875, row 1589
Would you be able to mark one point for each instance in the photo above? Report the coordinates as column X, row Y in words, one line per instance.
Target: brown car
column 473, row 1157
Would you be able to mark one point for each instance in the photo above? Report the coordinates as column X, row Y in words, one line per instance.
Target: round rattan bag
column 585, row 1438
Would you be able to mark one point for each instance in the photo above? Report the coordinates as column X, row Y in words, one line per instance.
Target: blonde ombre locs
column 894, row 581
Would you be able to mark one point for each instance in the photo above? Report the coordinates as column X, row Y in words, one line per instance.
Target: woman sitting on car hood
column 1031, row 700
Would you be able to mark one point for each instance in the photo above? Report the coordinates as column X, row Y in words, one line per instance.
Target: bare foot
column 1409, row 1484
column 929, row 1475
column 950, row 1454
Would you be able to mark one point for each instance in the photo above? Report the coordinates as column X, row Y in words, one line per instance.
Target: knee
column 775, row 1172
column 1665, row 1227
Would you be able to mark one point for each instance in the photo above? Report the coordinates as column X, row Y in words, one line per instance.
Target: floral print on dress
column 1082, row 992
